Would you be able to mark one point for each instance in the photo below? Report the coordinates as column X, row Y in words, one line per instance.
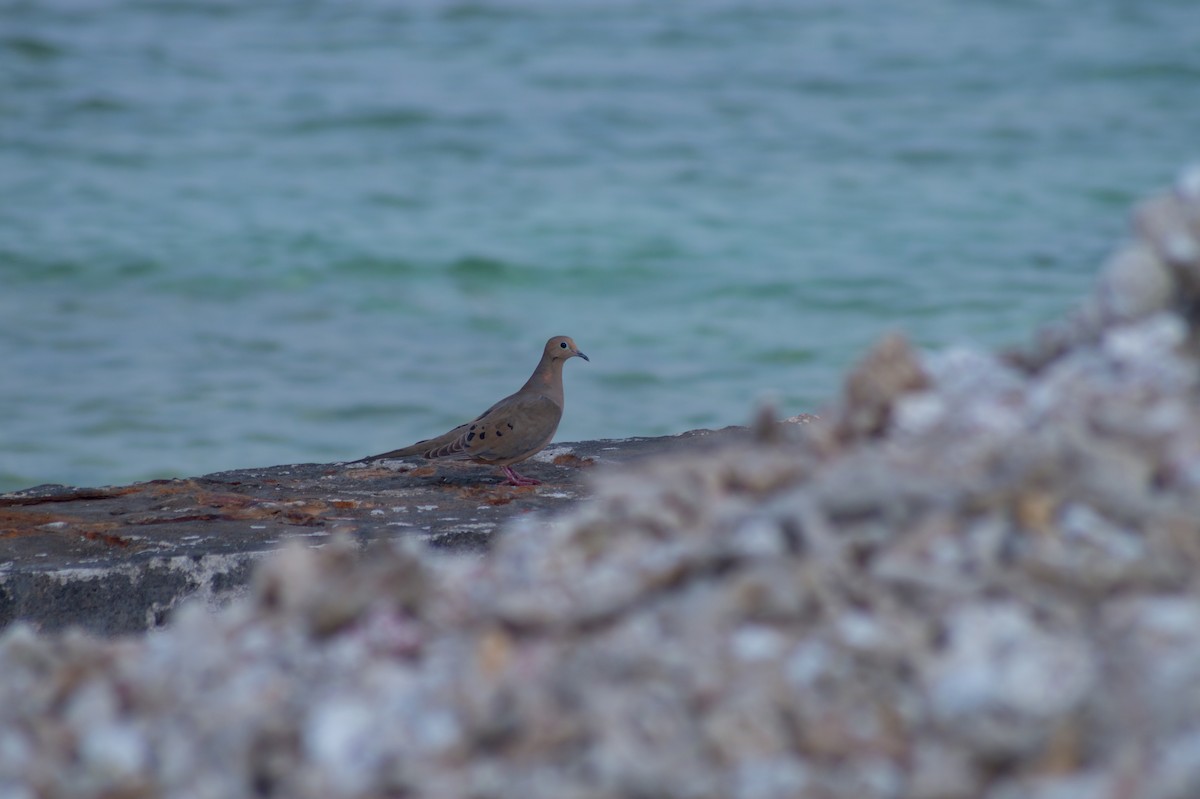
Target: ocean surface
column 237, row 233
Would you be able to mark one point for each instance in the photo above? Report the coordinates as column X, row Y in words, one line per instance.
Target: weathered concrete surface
column 119, row 559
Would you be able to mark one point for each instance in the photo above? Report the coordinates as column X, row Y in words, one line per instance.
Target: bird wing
column 510, row 431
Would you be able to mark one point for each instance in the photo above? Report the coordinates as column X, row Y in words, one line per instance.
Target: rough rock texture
column 977, row 580
column 121, row 558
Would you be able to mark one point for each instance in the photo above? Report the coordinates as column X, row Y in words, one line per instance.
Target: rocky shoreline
column 976, row 577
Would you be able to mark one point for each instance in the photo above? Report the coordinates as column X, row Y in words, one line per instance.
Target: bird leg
column 519, row 479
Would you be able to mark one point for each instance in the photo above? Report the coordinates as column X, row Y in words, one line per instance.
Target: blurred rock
column 876, row 384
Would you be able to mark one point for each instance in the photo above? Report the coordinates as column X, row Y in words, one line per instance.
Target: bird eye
column 563, row 344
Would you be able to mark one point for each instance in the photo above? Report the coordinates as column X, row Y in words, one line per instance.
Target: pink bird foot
column 519, row 479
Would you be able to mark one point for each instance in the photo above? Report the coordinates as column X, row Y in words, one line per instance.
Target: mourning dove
column 515, row 428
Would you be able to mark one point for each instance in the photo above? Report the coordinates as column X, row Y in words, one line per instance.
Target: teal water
column 237, row 234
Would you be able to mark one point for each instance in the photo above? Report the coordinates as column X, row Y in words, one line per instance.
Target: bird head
column 563, row 347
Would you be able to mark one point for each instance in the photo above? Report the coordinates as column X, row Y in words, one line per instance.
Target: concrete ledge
column 120, row 559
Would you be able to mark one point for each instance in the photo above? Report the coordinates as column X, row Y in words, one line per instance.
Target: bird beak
column 581, row 355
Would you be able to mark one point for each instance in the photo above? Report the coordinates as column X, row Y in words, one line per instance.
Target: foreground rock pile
column 977, row 579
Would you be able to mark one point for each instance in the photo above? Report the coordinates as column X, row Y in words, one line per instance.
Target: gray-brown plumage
column 515, row 428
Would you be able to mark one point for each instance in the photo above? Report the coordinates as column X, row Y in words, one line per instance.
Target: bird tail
column 418, row 448
column 439, row 447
